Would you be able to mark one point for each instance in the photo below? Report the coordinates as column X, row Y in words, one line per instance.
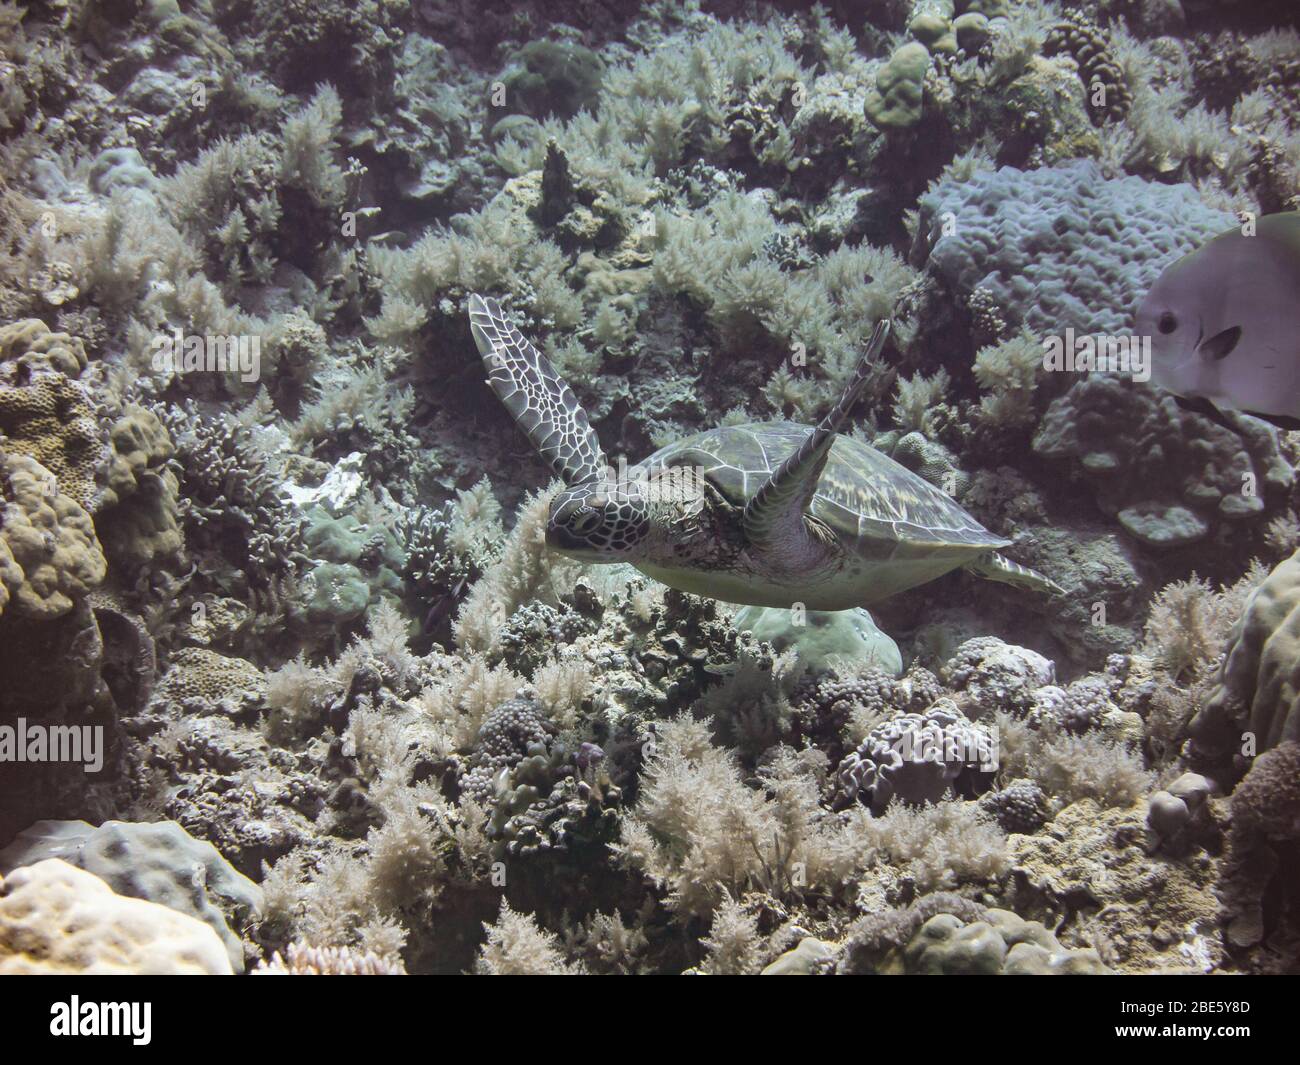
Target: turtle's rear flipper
column 995, row 567
column 536, row 396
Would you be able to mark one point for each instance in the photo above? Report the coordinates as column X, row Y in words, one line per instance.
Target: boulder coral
column 1256, row 703
column 1002, row 944
column 49, row 555
column 160, row 863
column 139, row 507
column 58, row 919
column 1170, row 477
column 50, row 419
column 29, row 346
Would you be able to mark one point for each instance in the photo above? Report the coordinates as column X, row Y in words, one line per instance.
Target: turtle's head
column 599, row 521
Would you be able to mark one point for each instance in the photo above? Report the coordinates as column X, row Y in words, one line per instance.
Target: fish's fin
column 1201, row 405
column 1221, row 345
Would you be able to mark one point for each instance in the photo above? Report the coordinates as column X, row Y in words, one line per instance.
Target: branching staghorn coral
column 448, row 548
column 231, row 505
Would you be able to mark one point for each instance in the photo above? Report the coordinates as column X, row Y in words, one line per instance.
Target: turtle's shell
column 879, row 510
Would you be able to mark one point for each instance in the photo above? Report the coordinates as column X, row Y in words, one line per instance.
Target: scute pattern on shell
column 863, row 495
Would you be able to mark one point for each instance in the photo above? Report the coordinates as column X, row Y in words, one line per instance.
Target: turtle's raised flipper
column 779, row 504
column 536, row 396
column 995, row 567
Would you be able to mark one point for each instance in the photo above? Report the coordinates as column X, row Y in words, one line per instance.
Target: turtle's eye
column 584, row 522
column 1167, row 323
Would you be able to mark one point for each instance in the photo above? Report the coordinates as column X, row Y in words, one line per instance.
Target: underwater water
column 650, row 488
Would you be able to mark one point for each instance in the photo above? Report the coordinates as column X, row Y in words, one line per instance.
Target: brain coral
column 1258, row 689
column 50, row 419
column 49, row 556
column 915, row 758
column 57, row 919
column 1063, row 245
column 159, row 862
column 204, row 680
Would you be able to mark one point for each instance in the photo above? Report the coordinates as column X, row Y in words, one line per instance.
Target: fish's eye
column 1167, row 323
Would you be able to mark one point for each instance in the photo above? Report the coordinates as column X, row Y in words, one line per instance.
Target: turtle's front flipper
column 779, row 504
column 995, row 567
column 537, row 397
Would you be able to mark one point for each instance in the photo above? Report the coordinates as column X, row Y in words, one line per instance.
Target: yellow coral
column 29, row 345
column 50, row 556
column 50, row 420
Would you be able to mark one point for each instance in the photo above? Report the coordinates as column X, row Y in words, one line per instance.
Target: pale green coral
column 897, row 102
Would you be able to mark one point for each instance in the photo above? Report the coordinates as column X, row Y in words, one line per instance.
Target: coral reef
column 293, row 680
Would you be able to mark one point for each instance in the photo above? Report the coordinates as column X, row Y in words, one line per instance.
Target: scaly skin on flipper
column 537, row 397
column 779, row 505
column 995, row 567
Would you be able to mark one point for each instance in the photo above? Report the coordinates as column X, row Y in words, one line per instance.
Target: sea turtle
column 768, row 514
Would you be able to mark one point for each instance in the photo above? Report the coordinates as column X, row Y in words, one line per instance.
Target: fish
column 1224, row 324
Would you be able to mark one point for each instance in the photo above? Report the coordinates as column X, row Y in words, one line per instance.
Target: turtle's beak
column 561, row 539
column 556, row 538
